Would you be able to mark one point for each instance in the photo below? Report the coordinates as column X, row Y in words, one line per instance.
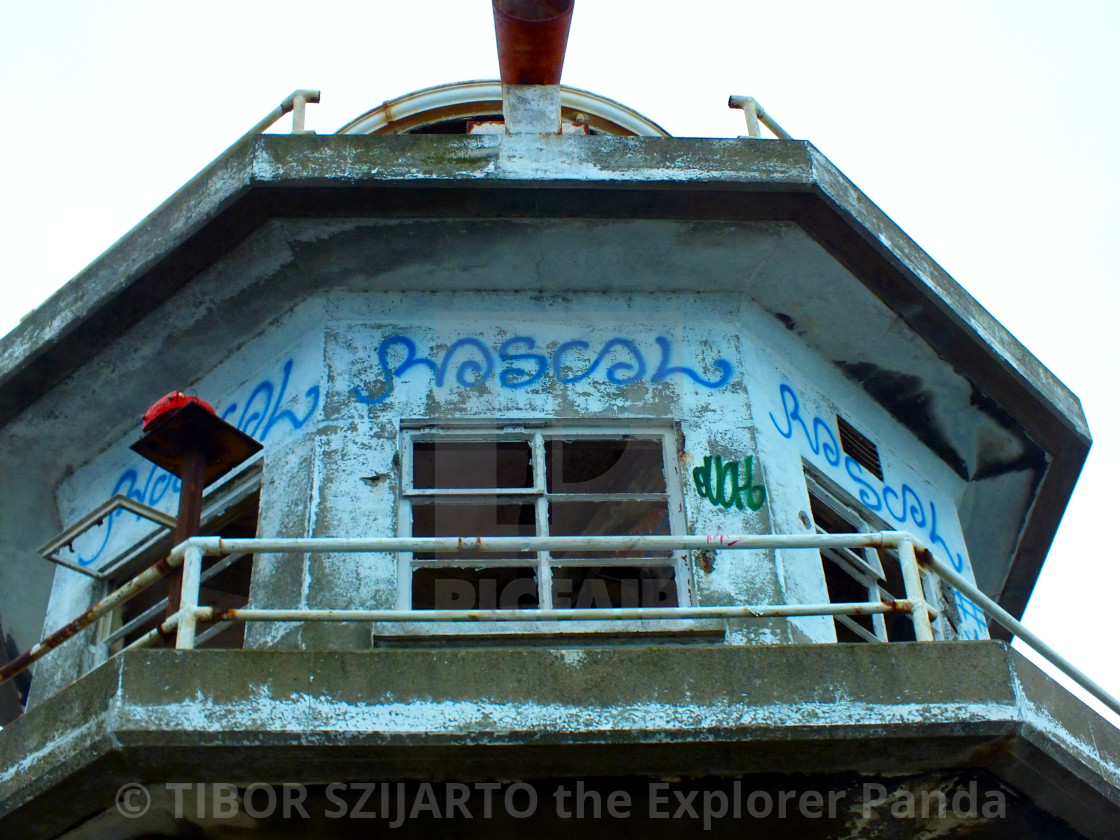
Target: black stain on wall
column 903, row 395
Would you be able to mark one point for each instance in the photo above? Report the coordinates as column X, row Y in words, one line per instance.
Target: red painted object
column 172, row 402
column 532, row 39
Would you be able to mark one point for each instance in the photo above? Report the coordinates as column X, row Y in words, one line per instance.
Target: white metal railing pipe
column 755, row 113
column 1009, row 622
column 217, row 546
column 341, row 545
column 188, row 600
column 160, row 606
column 156, row 634
column 576, row 614
column 110, row 602
column 913, row 557
column 295, row 101
column 912, row 580
column 130, row 627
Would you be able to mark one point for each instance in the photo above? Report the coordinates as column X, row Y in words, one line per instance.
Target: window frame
column 537, row 434
column 231, row 494
column 862, row 565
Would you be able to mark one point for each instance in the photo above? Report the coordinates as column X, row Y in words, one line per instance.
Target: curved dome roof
column 446, row 109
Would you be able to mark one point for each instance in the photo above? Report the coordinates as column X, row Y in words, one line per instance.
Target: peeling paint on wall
column 564, row 358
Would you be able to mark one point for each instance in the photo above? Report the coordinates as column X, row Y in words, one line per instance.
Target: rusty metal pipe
column 139, row 583
column 532, row 39
column 189, row 521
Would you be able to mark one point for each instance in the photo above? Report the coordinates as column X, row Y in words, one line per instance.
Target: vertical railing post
column 188, row 601
column 299, row 108
column 912, row 579
column 751, row 110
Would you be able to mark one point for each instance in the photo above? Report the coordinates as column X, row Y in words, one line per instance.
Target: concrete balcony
column 869, row 728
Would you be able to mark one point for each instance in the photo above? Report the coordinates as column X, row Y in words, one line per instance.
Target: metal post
column 756, row 114
column 751, row 110
column 280, row 110
column 188, row 610
column 190, row 515
column 299, row 107
column 912, row 578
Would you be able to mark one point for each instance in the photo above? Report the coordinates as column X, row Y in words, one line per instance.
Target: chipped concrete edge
column 900, row 248
column 48, row 755
column 1092, row 754
column 123, row 263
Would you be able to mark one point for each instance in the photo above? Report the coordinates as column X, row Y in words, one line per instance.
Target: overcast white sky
column 986, row 129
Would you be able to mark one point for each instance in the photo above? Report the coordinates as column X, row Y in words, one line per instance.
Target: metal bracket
column 755, row 114
column 96, row 517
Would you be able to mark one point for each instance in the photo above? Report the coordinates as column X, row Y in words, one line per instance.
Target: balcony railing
column 916, row 561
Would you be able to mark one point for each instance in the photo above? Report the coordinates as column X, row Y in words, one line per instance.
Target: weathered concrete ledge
column 241, row 716
column 277, row 175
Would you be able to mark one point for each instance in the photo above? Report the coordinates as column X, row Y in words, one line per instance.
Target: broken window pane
column 505, row 588
column 604, row 587
column 605, row 466
column 858, row 574
column 484, row 465
column 476, row 518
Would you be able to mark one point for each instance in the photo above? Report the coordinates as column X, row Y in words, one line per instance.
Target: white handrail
column 191, row 552
column 913, row 558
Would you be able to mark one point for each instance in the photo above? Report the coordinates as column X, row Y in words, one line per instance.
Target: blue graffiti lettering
column 558, row 362
column 410, row 361
column 260, row 414
column 867, row 493
column 468, row 368
column 472, row 373
column 616, row 372
column 910, row 506
column 508, row 377
column 664, row 369
column 792, row 406
column 270, row 412
column 936, row 539
column 915, row 511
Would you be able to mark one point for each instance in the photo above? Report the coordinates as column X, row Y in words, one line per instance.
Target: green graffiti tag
column 719, row 483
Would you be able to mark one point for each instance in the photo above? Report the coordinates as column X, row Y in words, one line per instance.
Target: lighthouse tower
column 524, row 467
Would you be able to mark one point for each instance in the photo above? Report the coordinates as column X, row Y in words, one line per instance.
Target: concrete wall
column 796, row 395
column 297, row 336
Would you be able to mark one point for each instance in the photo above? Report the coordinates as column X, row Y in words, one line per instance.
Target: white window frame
column 861, row 564
column 536, row 433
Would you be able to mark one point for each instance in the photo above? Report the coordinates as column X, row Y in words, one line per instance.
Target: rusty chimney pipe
column 532, row 39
